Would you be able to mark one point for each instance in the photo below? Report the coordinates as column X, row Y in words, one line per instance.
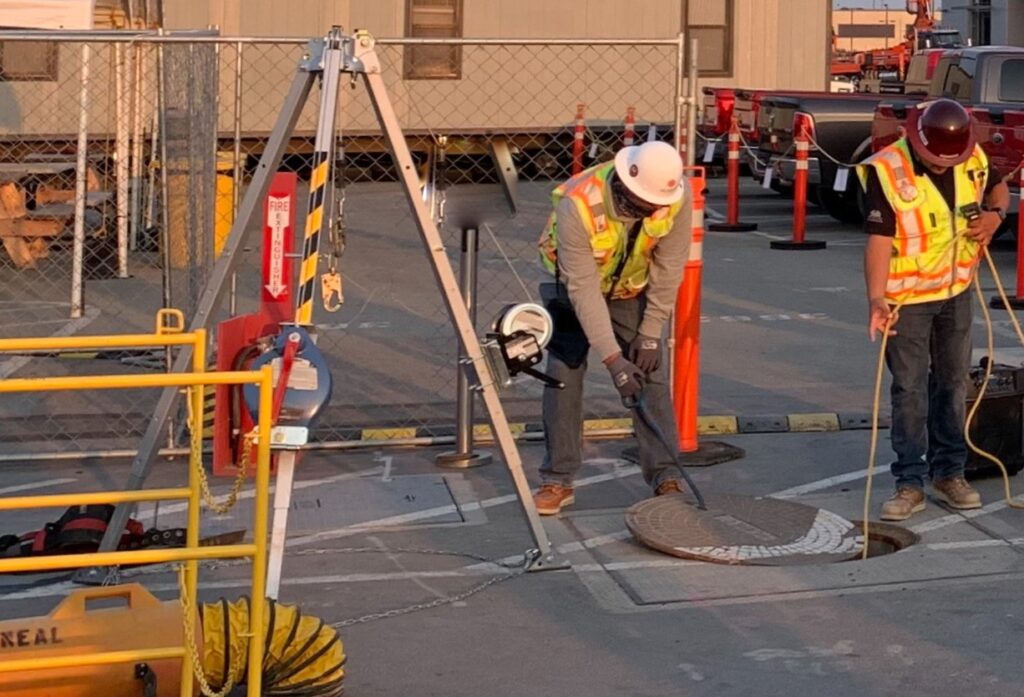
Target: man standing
column 926, row 230
column 616, row 243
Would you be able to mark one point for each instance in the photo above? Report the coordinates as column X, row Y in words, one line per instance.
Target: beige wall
column 776, row 43
column 896, row 18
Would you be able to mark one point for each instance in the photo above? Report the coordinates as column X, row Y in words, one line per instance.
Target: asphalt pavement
column 782, row 332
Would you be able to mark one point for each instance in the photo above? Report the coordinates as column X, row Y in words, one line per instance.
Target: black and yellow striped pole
column 319, row 181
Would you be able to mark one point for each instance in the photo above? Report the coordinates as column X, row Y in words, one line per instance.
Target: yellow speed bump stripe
column 717, row 425
column 388, row 433
column 813, row 422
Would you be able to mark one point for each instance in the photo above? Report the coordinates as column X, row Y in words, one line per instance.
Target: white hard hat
column 652, row 171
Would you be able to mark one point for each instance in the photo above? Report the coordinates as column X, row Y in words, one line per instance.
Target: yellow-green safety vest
column 589, row 190
column 931, row 259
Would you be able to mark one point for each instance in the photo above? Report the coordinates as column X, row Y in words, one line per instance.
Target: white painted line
column 621, row 472
column 795, row 491
column 16, row 363
column 35, row 485
column 146, row 515
column 954, row 518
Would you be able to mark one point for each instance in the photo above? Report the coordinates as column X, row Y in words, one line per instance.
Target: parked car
column 989, row 81
column 713, row 124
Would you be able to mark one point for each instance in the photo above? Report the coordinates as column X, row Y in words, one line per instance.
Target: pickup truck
column 713, row 124
column 841, row 124
column 989, row 81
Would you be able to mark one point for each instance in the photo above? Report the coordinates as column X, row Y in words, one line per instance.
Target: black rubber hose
column 640, row 407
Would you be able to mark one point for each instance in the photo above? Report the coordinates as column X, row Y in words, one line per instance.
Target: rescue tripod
column 327, row 59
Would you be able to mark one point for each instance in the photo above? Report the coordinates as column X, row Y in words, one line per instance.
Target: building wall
column 1007, row 25
column 893, row 23
column 779, row 43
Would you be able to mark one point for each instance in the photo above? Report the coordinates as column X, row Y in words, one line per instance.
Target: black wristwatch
column 1001, row 212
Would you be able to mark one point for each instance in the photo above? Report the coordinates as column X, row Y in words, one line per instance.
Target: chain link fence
column 174, row 128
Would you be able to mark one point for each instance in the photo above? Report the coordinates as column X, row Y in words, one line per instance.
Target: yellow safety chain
column 189, row 616
column 196, row 461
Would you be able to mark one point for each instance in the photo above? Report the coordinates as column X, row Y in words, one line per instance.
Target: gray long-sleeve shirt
column 582, row 277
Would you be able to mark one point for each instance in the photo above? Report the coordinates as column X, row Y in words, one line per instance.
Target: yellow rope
column 873, row 451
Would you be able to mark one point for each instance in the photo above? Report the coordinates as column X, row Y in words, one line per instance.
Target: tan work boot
column 670, row 486
column 904, row 503
column 551, row 498
column 957, row 493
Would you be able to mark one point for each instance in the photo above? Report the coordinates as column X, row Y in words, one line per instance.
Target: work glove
column 645, row 352
column 627, row 378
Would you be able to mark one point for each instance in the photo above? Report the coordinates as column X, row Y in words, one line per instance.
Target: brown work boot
column 551, row 498
column 904, row 503
column 957, row 493
column 670, row 486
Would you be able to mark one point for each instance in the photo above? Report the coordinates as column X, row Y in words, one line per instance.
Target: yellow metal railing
column 167, row 333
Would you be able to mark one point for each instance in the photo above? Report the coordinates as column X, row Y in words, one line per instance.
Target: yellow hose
column 304, row 656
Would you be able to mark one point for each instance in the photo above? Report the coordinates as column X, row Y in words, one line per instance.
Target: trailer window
column 711, row 23
column 1011, row 81
column 433, row 19
column 24, row 61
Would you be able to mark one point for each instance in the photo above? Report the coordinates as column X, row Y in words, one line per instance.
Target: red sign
column 278, row 240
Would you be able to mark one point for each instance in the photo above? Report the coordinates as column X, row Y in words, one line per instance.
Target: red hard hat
column 942, row 135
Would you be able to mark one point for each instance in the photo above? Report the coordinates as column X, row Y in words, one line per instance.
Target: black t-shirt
column 880, row 218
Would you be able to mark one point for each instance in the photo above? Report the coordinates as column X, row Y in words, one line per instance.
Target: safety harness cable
column 639, row 406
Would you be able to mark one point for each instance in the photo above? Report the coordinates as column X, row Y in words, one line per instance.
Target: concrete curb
column 712, row 425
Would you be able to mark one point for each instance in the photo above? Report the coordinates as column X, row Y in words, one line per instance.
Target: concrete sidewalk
column 939, row 618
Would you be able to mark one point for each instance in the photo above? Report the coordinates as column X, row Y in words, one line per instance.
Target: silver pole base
column 463, row 461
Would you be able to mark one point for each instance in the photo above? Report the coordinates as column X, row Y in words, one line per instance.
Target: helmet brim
column 622, row 159
column 922, row 151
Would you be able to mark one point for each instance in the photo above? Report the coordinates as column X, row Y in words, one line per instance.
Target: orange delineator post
column 687, row 324
column 577, row 140
column 803, row 145
column 732, row 222
column 629, row 132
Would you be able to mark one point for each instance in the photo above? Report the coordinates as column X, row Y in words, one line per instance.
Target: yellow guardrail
column 169, row 332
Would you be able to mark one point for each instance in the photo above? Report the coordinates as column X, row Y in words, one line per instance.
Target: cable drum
column 304, row 657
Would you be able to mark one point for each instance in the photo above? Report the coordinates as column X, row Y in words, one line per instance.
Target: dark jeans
column 929, row 359
column 563, row 411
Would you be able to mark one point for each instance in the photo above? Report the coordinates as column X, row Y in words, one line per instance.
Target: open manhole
column 756, row 531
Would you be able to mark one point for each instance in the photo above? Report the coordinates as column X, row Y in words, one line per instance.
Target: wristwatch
column 1001, row 212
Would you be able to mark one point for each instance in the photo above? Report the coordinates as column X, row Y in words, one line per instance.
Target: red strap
column 85, row 524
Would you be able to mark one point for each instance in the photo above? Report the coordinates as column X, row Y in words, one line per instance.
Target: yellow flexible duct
column 304, row 656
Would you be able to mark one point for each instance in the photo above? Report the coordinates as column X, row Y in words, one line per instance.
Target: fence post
column 803, row 144
column 464, row 457
column 686, row 343
column 732, row 223
column 577, row 140
column 81, row 164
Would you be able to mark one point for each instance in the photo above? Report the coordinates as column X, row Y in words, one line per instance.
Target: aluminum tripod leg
column 449, row 287
column 279, row 530
column 248, row 211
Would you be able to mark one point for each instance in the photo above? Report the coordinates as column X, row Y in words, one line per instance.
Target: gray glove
column 627, row 378
column 645, row 352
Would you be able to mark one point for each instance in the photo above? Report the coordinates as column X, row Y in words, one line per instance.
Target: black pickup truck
column 840, row 129
column 840, row 125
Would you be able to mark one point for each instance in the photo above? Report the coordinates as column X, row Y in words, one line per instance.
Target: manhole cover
column 743, row 530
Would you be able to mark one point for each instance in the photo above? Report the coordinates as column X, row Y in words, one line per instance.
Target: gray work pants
column 563, row 411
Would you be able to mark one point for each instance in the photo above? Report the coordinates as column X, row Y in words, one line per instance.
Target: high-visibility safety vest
column 589, row 190
column 931, row 259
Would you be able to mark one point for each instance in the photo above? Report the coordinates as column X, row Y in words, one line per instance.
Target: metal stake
column 464, row 457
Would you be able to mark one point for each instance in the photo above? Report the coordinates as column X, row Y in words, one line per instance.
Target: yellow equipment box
column 130, row 619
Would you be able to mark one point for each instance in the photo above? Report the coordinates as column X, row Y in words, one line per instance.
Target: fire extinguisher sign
column 278, row 239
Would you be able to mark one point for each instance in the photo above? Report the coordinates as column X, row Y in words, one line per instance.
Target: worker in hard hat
column 933, row 202
column 616, row 244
